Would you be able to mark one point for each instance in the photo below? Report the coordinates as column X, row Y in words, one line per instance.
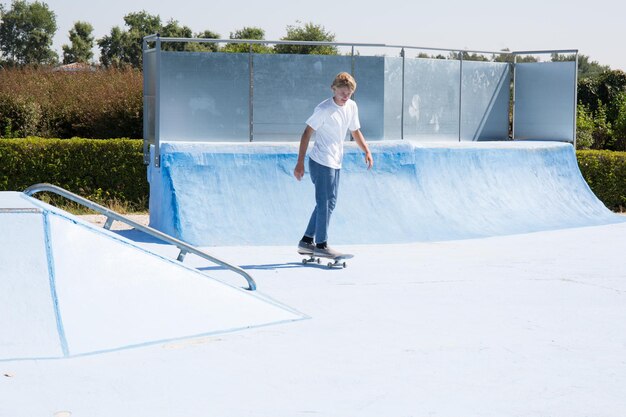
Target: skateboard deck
column 335, row 260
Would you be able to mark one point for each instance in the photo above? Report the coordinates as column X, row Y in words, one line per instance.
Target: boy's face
column 342, row 95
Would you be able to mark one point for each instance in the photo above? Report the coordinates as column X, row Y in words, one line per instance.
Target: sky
column 595, row 28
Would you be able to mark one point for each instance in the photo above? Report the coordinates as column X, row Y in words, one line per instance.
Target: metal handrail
column 113, row 216
column 153, row 37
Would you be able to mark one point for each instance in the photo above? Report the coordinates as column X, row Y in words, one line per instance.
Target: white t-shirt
column 331, row 123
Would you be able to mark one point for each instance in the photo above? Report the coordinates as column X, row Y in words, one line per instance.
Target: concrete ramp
column 245, row 194
column 68, row 288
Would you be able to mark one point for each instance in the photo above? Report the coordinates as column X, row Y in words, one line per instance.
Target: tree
column 114, row 48
column 603, row 96
column 467, row 56
column 602, row 132
column 584, row 128
column 308, row 32
column 586, row 69
column 611, row 84
column 126, row 47
column 425, row 55
column 204, row 46
column 82, row 44
column 620, row 123
column 26, row 32
column 588, row 93
column 173, row 30
column 139, row 24
column 506, row 56
column 248, row 33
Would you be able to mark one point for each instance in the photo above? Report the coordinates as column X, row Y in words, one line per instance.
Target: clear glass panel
column 369, row 73
column 393, row 98
column 149, row 83
column 204, row 96
column 485, row 101
column 431, row 99
column 286, row 90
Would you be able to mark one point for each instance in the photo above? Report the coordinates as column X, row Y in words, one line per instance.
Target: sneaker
column 326, row 252
column 305, row 248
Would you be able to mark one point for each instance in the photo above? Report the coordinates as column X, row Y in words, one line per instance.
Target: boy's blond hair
column 344, row 79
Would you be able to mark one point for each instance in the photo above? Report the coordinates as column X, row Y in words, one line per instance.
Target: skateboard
column 336, row 261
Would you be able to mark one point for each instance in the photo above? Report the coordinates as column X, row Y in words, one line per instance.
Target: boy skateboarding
column 330, row 121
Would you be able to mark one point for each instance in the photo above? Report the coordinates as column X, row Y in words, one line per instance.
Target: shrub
column 605, row 172
column 602, row 130
column 105, row 171
column 94, row 104
column 584, row 128
column 619, row 130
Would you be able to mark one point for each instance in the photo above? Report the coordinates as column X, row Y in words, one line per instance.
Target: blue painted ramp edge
column 216, row 194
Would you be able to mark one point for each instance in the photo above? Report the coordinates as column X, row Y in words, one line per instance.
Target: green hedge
column 605, row 172
column 110, row 172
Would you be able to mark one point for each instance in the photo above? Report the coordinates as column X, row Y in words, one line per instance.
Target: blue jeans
column 326, row 181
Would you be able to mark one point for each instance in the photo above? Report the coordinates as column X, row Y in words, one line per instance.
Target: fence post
column 460, row 91
column 157, row 103
column 514, row 91
column 251, row 95
column 402, row 54
column 146, row 144
column 575, row 98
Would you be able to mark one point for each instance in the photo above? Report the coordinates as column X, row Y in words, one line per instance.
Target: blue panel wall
column 545, row 101
column 204, row 96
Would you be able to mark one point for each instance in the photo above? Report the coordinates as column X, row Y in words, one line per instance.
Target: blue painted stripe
column 184, row 338
column 53, row 290
column 176, row 339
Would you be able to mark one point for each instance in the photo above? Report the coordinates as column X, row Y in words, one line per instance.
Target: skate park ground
column 514, row 324
column 518, row 325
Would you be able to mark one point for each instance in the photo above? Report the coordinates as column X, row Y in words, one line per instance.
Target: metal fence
column 218, row 96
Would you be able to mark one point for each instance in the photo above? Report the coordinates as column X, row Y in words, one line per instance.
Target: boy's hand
column 298, row 172
column 369, row 160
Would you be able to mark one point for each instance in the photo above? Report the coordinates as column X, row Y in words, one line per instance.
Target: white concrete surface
column 527, row 324
column 70, row 288
column 521, row 325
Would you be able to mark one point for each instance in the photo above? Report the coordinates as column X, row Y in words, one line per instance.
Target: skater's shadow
column 271, row 267
column 265, row 267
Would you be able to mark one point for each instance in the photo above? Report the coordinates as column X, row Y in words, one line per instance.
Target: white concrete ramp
column 69, row 288
column 28, row 326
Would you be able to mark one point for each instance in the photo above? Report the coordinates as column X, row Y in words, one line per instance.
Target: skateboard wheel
column 330, row 264
column 344, row 265
column 319, row 260
column 304, row 261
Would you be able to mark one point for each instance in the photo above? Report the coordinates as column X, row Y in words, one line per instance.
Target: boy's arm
column 360, row 140
column 298, row 172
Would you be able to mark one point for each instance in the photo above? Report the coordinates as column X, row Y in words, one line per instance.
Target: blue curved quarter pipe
column 216, row 194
